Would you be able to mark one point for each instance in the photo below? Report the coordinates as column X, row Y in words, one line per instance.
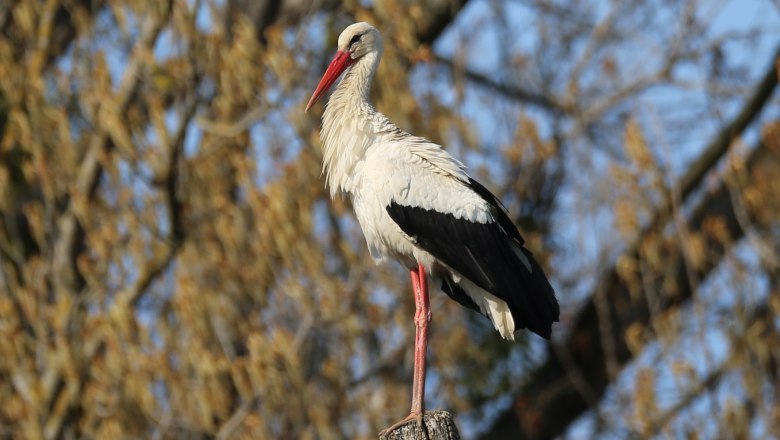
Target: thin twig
column 238, row 416
column 510, row 91
column 235, row 128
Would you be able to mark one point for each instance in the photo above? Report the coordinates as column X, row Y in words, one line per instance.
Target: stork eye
column 354, row 40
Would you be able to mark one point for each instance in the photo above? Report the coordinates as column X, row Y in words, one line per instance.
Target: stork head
column 355, row 42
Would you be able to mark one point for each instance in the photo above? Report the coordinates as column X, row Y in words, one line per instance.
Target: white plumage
column 417, row 205
column 369, row 158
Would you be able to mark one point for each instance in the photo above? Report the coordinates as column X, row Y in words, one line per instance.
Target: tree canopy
column 171, row 265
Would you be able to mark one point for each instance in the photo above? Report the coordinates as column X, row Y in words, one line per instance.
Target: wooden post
column 439, row 425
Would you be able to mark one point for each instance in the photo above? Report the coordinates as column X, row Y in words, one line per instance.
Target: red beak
column 340, row 62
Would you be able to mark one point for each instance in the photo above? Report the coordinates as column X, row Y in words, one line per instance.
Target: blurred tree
column 171, row 267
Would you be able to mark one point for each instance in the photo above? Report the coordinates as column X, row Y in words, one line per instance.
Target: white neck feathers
column 348, row 124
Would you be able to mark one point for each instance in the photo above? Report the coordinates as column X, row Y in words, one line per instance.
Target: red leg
column 422, row 316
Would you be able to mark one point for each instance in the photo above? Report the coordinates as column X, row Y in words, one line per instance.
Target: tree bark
column 438, row 425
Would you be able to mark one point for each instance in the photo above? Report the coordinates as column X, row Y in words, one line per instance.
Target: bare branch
column 69, row 230
column 510, row 91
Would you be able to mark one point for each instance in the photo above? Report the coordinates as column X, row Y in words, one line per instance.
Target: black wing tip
column 545, row 335
column 546, row 309
column 543, row 325
column 545, row 331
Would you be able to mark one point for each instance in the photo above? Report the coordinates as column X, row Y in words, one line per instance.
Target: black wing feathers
column 483, row 253
column 501, row 215
column 454, row 291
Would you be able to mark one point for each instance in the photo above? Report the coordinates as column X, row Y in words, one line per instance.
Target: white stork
column 417, row 205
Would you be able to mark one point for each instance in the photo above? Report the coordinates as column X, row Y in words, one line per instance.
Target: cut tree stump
column 439, row 425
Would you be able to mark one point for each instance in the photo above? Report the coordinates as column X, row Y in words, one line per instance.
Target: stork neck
column 355, row 87
column 348, row 127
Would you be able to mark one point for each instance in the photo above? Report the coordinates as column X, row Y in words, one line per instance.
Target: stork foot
column 413, row 416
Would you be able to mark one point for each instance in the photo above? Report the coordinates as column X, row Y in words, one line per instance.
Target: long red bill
column 340, row 62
